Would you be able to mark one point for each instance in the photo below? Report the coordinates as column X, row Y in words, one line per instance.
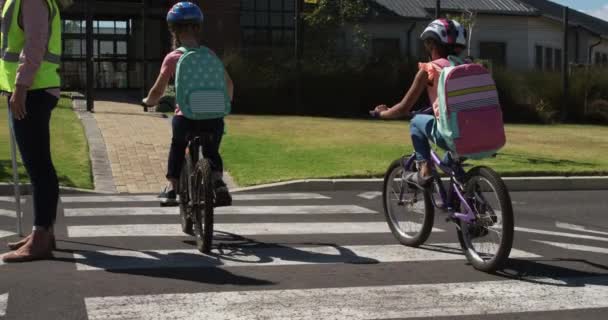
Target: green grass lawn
column 68, row 144
column 262, row 149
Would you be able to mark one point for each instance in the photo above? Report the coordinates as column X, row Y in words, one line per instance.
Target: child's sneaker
column 168, row 197
column 222, row 195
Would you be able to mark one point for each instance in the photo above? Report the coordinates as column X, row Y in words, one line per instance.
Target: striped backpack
column 470, row 116
column 200, row 87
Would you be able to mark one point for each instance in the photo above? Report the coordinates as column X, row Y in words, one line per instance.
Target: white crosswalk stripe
column 244, row 229
column 4, row 234
column 574, row 227
column 575, row 247
column 325, row 209
column 351, row 303
column 8, row 213
column 153, row 198
column 3, row 304
column 339, row 302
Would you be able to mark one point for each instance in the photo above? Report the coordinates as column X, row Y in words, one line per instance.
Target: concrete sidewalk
column 137, row 145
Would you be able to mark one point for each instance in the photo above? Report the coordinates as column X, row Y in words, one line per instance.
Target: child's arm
column 229, row 85
column 411, row 97
column 158, row 90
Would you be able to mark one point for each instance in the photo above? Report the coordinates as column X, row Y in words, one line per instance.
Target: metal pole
column 297, row 48
column 565, row 68
column 15, row 174
column 89, row 56
column 143, row 34
column 438, row 9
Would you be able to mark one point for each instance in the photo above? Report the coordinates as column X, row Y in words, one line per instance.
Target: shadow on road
column 230, row 249
column 547, row 272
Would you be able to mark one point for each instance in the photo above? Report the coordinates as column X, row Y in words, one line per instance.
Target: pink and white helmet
column 442, row 30
column 461, row 40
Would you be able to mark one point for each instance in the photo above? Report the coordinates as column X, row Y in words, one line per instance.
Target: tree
column 329, row 16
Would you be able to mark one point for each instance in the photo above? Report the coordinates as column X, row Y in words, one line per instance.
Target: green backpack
column 200, row 87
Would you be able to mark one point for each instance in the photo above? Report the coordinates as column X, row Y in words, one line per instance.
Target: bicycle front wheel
column 488, row 240
column 409, row 210
column 203, row 223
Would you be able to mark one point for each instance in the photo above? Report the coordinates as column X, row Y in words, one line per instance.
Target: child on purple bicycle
column 442, row 38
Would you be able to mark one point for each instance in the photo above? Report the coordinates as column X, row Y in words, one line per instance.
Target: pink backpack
column 470, row 117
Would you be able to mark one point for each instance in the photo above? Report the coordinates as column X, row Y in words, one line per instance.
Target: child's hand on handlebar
column 378, row 111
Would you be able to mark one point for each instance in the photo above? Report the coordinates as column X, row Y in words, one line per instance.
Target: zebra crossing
column 301, row 256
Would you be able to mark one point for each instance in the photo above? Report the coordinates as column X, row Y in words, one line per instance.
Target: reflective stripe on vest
column 48, row 75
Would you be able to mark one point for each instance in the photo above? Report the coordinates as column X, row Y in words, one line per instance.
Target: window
column 267, row 22
column 549, row 59
column 494, row 51
column 558, row 59
column 73, row 26
column 598, row 58
column 539, row 58
column 605, row 59
column 386, row 48
column 110, row 46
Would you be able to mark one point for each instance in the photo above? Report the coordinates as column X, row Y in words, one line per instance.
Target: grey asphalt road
column 320, row 255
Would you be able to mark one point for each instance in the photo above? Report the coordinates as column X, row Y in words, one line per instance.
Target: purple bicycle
column 477, row 201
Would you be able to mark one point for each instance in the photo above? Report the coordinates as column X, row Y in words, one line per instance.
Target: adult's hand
column 17, row 102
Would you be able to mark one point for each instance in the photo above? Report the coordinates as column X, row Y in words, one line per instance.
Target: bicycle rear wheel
column 409, row 211
column 488, row 240
column 203, row 216
column 185, row 207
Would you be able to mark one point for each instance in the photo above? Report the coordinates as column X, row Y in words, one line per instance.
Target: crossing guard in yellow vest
column 30, row 56
column 13, row 41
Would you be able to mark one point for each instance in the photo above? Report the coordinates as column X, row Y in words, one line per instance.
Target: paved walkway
column 137, row 144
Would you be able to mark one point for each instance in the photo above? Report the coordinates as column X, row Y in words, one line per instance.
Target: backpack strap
column 455, row 61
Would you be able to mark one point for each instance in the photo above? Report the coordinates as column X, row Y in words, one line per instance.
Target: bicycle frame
column 456, row 174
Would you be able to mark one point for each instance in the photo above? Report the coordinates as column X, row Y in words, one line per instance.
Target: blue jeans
column 182, row 129
column 421, row 129
column 34, row 141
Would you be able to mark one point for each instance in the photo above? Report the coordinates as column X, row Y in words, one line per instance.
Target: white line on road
column 8, row 213
column 3, row 304
column 347, row 209
column 370, row 195
column 261, row 257
column 560, row 234
column 153, row 198
column 4, row 234
column 575, row 227
column 358, row 303
column 12, row 199
column 575, row 247
column 246, row 229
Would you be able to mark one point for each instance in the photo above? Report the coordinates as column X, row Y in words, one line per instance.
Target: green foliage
column 329, row 86
column 326, row 21
column 331, row 14
column 538, row 96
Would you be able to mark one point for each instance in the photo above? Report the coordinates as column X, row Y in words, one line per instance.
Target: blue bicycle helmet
column 183, row 12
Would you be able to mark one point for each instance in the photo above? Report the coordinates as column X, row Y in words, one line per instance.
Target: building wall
column 520, row 35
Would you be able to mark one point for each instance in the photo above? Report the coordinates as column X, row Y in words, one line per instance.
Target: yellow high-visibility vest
column 13, row 41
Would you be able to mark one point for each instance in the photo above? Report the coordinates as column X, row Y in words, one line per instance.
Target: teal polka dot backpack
column 200, row 86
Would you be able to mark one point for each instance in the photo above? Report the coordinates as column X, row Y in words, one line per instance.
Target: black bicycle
column 196, row 194
column 196, row 191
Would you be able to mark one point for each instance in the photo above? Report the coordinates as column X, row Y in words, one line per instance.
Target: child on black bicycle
column 442, row 38
column 185, row 23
